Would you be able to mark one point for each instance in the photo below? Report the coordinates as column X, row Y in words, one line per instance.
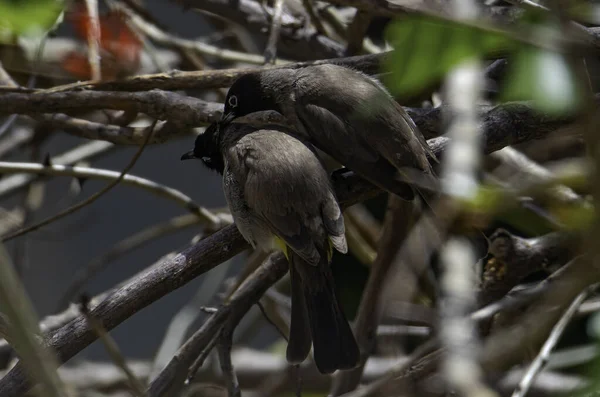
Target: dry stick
column 314, row 18
column 136, row 240
column 87, row 201
column 270, row 55
column 155, row 33
column 175, row 271
column 23, row 329
column 357, row 31
column 186, row 316
column 140, row 10
column 195, row 367
column 505, row 347
column 93, row 39
column 170, row 380
column 524, row 165
column 224, row 348
column 176, row 80
column 421, row 359
column 118, row 134
column 303, row 43
column 398, row 221
column 203, row 215
column 86, row 151
column 422, row 362
column 542, row 358
column 113, row 350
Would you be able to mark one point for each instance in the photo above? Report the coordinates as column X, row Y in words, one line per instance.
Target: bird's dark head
column 248, row 94
column 206, row 148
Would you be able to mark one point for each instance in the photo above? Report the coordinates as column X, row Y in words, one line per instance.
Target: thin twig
column 527, row 168
column 137, row 240
column 186, row 316
column 224, row 349
column 87, row 151
column 87, row 201
column 204, row 215
column 399, row 219
column 113, row 350
column 542, row 358
column 356, row 32
column 170, row 380
column 270, row 321
column 199, row 362
column 314, row 18
column 162, row 37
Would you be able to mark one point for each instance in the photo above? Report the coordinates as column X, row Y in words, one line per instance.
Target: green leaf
column 544, row 76
column 28, row 17
column 426, row 49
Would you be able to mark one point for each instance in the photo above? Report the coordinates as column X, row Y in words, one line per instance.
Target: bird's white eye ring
column 233, row 102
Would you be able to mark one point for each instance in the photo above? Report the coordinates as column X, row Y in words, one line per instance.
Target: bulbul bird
column 280, row 196
column 346, row 114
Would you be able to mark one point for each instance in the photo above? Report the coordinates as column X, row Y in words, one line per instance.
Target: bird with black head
column 281, row 197
column 346, row 114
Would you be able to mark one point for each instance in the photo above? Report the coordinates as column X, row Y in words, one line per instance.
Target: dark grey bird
column 280, row 196
column 346, row 114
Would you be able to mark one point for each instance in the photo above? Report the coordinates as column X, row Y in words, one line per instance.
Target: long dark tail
column 319, row 317
column 300, row 334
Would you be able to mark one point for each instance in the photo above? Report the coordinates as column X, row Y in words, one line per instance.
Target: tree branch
column 173, row 272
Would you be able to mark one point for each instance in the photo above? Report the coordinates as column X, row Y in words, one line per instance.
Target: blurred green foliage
column 544, row 76
column 28, row 17
column 426, row 49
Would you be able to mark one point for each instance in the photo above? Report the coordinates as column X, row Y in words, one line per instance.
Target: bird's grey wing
column 411, row 123
column 277, row 194
column 369, row 122
column 330, row 134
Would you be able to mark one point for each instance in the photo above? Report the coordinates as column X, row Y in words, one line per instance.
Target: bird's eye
column 206, row 159
column 233, row 101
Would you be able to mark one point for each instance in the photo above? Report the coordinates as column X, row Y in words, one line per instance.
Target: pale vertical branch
column 271, row 50
column 94, row 39
column 459, row 181
column 24, row 331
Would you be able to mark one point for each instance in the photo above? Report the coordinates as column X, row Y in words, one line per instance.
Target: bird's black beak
column 227, row 118
column 189, row 155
